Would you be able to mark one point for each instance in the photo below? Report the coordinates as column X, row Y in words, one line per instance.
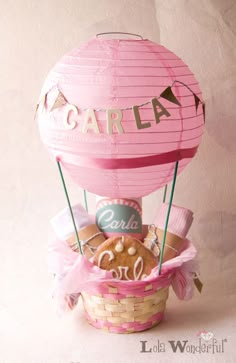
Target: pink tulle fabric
column 75, row 274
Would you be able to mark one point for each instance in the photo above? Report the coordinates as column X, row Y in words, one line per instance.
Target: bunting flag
column 204, row 111
column 60, row 101
column 197, row 101
column 169, row 96
column 198, row 284
column 41, row 104
column 36, row 110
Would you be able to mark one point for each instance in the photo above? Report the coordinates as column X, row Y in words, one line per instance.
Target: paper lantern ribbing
column 119, row 113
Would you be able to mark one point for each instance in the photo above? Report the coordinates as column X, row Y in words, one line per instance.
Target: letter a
column 90, row 115
column 157, row 114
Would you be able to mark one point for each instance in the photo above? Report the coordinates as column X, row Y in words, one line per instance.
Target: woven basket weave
column 119, row 313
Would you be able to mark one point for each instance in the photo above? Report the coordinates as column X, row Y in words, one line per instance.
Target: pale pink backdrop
column 33, row 36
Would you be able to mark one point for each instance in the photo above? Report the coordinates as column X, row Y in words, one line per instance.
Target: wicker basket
column 123, row 313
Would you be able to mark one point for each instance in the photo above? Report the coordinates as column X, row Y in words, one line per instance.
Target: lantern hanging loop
column 135, row 35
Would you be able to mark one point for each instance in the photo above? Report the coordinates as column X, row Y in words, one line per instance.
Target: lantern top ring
column 135, row 35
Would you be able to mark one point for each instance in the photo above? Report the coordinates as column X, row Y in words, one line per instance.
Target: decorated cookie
column 126, row 257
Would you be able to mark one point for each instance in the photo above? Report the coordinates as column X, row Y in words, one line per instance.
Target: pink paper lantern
column 125, row 158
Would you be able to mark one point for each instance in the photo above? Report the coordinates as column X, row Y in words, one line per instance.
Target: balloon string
column 167, row 216
column 85, row 200
column 69, row 205
column 164, row 196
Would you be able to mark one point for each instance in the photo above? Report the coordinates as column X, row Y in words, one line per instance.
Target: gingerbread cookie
column 126, row 257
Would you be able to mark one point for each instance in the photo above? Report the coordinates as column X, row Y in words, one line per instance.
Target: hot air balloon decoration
column 122, row 117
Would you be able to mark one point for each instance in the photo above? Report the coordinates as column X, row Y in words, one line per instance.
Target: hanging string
column 69, row 205
column 122, row 109
column 167, row 216
column 164, row 196
column 85, row 200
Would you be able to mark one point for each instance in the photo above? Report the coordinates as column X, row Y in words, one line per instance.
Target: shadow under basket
column 123, row 313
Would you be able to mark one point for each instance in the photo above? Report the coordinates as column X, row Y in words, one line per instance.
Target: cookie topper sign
column 116, row 217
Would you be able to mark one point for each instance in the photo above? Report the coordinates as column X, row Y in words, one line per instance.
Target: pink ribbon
column 127, row 163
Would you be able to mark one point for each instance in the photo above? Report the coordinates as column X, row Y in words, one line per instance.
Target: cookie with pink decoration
column 126, row 257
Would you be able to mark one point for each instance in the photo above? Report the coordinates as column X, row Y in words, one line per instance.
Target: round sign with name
column 119, row 217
